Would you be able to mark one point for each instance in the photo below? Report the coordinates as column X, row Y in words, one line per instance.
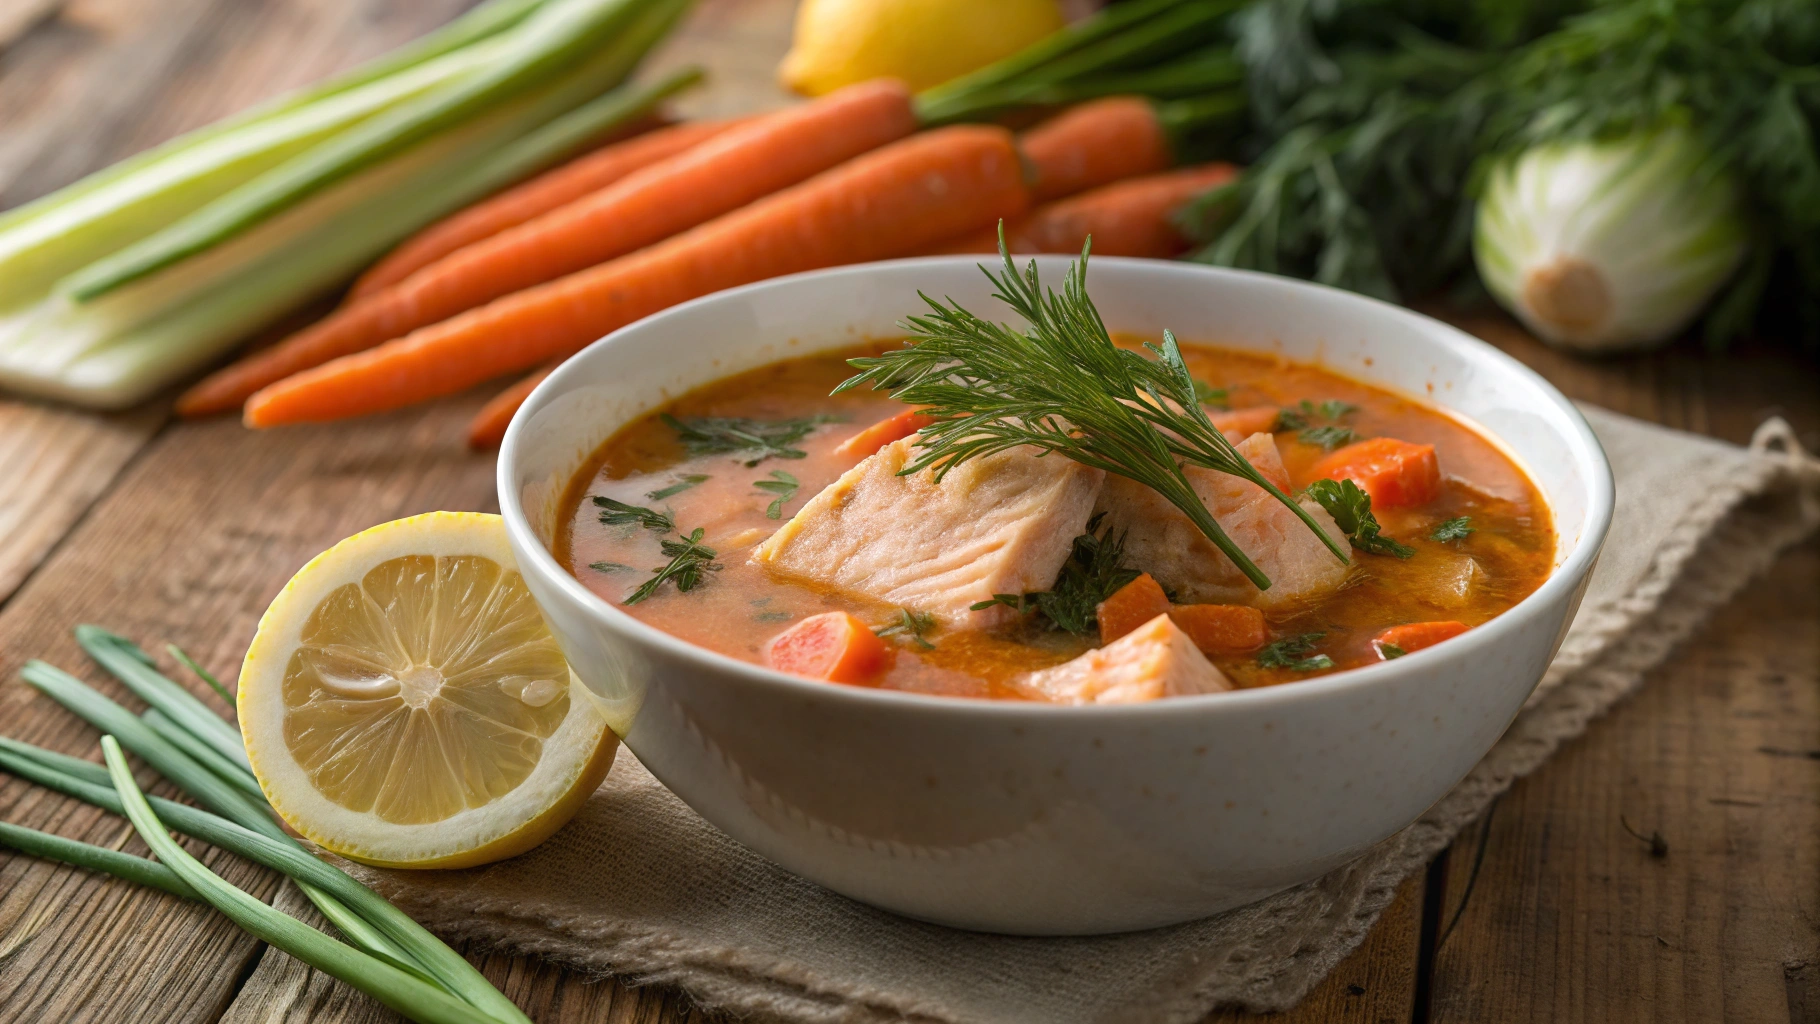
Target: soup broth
column 1478, row 546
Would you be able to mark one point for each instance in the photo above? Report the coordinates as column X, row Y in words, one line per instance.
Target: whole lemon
column 923, row 42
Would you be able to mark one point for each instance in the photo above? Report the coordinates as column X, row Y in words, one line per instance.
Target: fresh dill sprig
column 723, row 435
column 1062, row 386
column 912, row 625
column 781, row 484
column 682, row 484
column 614, row 512
column 1453, row 529
column 689, row 560
column 1291, row 652
column 1350, row 508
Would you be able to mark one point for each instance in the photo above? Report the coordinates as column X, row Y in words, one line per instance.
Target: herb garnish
column 773, row 616
column 1306, row 418
column 1389, row 651
column 1328, row 437
column 1062, row 386
column 1453, row 529
column 610, row 567
column 1094, row 572
column 1350, row 508
column 1210, row 396
column 689, row 558
column 910, row 624
column 781, row 484
column 721, row 435
column 682, row 484
column 1288, row 653
column 618, row 513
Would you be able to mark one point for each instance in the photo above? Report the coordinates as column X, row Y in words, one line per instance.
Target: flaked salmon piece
column 1155, row 660
column 1164, row 542
column 1002, row 524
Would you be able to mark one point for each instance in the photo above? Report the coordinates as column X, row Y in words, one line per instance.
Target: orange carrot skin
column 1412, row 637
column 719, row 175
column 488, row 427
column 833, row 645
column 1095, row 144
column 1395, row 473
column 540, row 195
column 895, row 200
column 1221, row 628
column 1131, row 606
column 882, row 433
column 1126, row 218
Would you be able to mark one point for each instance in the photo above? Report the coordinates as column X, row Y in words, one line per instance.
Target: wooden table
column 1546, row 910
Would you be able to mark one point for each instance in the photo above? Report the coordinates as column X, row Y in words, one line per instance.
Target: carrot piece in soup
column 1411, row 637
column 1238, row 424
column 1131, row 606
column 1221, row 628
column 1395, row 473
column 833, row 645
column 883, row 433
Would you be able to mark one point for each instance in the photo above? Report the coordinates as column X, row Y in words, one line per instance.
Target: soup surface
column 1475, row 546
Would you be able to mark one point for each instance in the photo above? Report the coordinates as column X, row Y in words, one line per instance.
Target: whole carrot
column 896, row 200
column 488, row 427
column 1095, row 144
column 647, row 206
column 1125, row 218
column 552, row 189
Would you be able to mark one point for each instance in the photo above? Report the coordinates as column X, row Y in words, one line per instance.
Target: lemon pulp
column 423, row 690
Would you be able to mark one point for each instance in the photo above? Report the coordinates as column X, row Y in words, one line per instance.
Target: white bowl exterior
column 1032, row 819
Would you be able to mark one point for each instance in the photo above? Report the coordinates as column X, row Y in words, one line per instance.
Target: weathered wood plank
column 1572, row 918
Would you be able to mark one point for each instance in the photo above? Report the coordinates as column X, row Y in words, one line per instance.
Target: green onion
column 402, row 991
column 228, row 771
column 554, row 37
column 133, row 667
column 137, row 870
column 203, row 674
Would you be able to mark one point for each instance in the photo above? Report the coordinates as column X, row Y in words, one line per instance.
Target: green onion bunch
column 385, row 954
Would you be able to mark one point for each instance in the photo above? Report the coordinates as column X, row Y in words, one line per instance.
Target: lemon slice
column 404, row 705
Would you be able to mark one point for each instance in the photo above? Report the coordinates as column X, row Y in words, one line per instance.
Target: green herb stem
column 136, row 671
column 202, row 753
column 137, row 870
column 203, row 674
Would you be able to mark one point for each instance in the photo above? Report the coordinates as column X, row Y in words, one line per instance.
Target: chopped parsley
column 1453, row 529
column 617, row 513
column 1350, row 508
column 1094, row 572
column 912, row 625
column 1291, row 652
column 1389, row 651
column 689, row 559
column 1328, row 437
column 781, row 484
column 682, row 484
column 1318, row 423
column 724, row 435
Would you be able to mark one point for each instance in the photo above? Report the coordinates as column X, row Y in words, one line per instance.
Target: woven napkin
column 639, row 886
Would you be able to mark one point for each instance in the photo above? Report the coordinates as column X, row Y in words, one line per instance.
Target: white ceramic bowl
column 1026, row 818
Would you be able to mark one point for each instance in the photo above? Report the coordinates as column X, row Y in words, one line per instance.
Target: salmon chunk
column 1155, row 660
column 1003, row 524
column 1164, row 542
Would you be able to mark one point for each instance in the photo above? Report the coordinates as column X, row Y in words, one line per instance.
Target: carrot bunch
column 533, row 275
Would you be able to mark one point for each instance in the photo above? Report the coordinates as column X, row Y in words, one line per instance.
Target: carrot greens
column 1062, row 386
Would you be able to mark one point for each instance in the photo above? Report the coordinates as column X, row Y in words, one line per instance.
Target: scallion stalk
column 400, row 990
column 137, row 870
column 135, row 669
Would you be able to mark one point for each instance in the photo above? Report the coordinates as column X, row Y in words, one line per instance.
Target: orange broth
column 740, row 607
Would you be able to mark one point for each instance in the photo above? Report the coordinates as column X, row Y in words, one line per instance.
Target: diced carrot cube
column 833, row 645
column 884, row 432
column 1131, row 606
column 1395, row 473
column 1239, row 424
column 1412, row 637
column 1221, row 628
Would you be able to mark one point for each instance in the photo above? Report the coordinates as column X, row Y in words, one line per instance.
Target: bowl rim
column 1567, row 575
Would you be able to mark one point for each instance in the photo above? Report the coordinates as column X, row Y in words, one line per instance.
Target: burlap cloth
column 641, row 887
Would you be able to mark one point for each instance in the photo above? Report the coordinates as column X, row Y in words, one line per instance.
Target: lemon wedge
column 404, row 705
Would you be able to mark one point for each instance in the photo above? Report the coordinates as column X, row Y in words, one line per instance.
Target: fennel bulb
column 1605, row 246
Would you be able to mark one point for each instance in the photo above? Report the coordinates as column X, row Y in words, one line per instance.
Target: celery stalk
column 556, row 36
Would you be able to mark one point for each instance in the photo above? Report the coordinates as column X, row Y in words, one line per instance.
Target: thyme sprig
column 764, row 439
column 913, row 625
column 1062, row 386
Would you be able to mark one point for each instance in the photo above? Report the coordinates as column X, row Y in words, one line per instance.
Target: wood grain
column 1572, row 918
